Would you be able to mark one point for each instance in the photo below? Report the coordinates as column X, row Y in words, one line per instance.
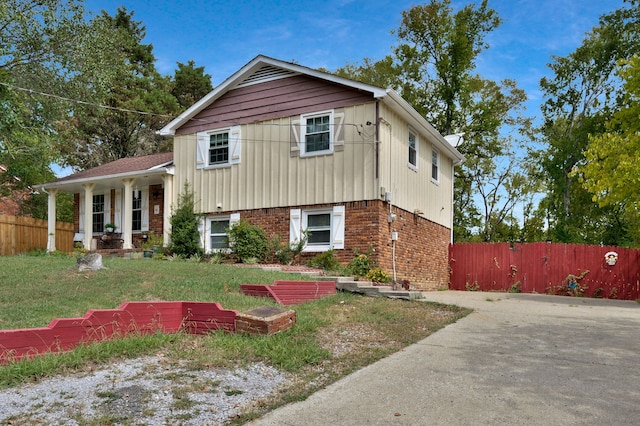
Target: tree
column 38, row 54
column 185, row 235
column 432, row 68
column 580, row 98
column 611, row 167
column 136, row 97
column 190, row 84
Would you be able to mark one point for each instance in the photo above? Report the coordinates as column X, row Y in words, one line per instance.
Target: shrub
column 361, row 264
column 279, row 251
column 185, row 236
column 378, row 275
column 286, row 253
column 326, row 261
column 248, row 241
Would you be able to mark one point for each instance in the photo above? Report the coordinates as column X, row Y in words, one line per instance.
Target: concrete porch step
column 369, row 289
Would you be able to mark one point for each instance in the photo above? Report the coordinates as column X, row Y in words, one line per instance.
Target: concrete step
column 367, row 288
column 401, row 294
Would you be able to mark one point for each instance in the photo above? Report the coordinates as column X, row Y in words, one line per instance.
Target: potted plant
column 110, row 228
column 146, row 248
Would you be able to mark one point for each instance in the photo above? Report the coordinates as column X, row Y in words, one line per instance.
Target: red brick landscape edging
column 288, row 292
column 141, row 318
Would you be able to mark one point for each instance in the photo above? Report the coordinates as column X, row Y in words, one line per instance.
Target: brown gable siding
column 274, row 99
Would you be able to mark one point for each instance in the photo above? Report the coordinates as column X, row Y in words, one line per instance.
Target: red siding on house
column 273, row 99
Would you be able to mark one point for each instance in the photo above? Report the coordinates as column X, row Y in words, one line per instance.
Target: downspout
column 377, row 144
column 453, row 204
column 393, row 233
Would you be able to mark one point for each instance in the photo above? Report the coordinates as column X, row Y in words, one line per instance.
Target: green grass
column 35, row 290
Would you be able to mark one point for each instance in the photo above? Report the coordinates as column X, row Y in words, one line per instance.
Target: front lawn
column 332, row 337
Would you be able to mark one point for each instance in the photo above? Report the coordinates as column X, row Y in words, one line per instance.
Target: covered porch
column 117, row 206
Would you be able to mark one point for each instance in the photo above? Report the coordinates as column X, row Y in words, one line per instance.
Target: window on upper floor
column 413, row 150
column 317, row 133
column 435, row 165
column 218, row 148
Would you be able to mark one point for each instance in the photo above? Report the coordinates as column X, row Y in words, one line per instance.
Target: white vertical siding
column 413, row 190
column 268, row 176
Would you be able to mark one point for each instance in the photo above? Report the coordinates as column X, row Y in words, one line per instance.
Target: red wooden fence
column 569, row 269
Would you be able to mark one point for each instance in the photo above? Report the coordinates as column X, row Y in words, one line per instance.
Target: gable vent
column 266, row 73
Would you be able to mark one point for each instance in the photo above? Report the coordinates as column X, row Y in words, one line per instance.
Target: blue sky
column 225, row 35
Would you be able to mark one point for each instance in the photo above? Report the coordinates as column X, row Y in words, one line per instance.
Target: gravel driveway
column 141, row 391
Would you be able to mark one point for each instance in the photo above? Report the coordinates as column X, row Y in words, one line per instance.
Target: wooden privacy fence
column 23, row 234
column 567, row 269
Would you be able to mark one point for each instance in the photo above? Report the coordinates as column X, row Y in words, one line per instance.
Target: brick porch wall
column 421, row 249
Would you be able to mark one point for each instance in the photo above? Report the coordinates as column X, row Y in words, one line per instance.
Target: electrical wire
column 77, row 101
column 357, row 126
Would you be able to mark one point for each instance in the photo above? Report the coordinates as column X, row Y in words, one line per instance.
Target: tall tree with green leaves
column 433, row 69
column 611, row 167
column 129, row 104
column 36, row 40
column 190, row 84
column 39, row 54
column 581, row 97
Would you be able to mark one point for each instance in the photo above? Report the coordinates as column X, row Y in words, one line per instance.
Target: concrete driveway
column 519, row 359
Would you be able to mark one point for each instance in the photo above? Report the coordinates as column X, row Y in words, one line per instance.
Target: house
column 289, row 148
column 11, row 205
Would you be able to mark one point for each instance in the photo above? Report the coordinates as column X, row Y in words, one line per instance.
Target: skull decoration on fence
column 611, row 258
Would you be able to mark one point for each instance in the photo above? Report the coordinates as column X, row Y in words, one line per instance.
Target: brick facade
column 421, row 249
column 156, row 199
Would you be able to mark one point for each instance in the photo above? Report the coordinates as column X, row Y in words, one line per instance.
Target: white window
column 214, row 234
column 435, row 165
column 318, row 227
column 218, row 234
column 325, row 227
column 413, row 150
column 136, row 214
column 218, row 148
column 98, row 213
column 317, row 133
column 139, row 209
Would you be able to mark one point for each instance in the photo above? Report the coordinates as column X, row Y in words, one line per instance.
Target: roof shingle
column 123, row 165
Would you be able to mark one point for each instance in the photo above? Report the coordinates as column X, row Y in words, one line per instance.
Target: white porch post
column 166, row 216
column 51, row 220
column 127, row 222
column 88, row 214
